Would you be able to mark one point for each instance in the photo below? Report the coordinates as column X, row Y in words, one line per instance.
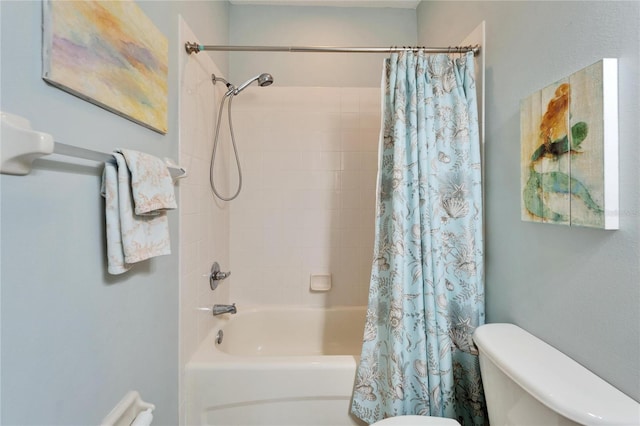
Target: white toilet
column 416, row 421
column 529, row 383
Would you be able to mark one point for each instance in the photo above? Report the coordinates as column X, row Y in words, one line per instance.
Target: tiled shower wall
column 204, row 222
column 309, row 161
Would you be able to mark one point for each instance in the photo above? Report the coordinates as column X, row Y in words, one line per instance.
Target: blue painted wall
column 576, row 288
column 74, row 339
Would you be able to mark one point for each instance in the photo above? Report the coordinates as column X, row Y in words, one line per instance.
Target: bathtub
column 276, row 366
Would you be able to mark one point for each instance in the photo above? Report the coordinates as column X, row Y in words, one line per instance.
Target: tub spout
column 224, row 309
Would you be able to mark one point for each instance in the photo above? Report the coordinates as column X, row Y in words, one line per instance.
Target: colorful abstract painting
column 108, row 53
column 569, row 150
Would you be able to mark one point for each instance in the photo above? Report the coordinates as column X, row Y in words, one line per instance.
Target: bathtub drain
column 219, row 337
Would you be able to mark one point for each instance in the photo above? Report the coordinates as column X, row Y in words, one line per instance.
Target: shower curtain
column 426, row 294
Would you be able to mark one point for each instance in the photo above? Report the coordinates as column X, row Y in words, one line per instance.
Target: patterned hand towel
column 151, row 183
column 131, row 238
column 115, row 254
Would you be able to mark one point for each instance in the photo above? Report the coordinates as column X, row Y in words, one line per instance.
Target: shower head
column 264, row 79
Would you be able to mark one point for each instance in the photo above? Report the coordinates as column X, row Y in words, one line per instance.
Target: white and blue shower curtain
column 426, row 294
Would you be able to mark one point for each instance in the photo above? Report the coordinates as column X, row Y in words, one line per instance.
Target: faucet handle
column 216, row 275
column 220, row 275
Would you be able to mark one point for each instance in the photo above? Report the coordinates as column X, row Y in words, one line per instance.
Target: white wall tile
column 369, row 121
column 370, row 100
column 349, row 100
column 350, row 120
column 352, row 161
column 204, row 222
column 324, row 140
column 370, row 139
column 330, row 160
column 318, row 161
column 370, row 161
column 350, row 140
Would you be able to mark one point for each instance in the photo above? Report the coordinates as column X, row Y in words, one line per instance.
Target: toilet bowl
column 416, row 421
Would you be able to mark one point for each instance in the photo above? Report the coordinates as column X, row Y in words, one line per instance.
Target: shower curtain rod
column 196, row 48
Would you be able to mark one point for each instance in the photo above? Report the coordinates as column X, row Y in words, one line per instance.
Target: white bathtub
column 277, row 366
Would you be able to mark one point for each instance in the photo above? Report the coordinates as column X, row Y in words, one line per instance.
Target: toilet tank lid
column 553, row 378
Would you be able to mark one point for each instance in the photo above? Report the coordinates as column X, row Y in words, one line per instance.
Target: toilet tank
column 528, row 382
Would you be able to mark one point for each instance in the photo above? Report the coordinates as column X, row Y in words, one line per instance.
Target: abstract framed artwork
column 569, row 150
column 108, row 53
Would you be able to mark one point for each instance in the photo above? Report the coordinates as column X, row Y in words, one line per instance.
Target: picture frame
column 108, row 53
column 569, row 150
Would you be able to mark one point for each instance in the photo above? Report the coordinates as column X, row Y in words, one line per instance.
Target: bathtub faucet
column 224, row 309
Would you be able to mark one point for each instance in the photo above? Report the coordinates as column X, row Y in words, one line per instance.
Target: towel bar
column 20, row 145
column 126, row 410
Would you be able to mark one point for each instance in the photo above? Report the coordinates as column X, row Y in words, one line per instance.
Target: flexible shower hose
column 229, row 95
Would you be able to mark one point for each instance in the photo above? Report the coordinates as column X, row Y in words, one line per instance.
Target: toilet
column 416, row 421
column 528, row 382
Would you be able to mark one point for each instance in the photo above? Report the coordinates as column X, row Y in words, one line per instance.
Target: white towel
column 151, row 183
column 130, row 238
